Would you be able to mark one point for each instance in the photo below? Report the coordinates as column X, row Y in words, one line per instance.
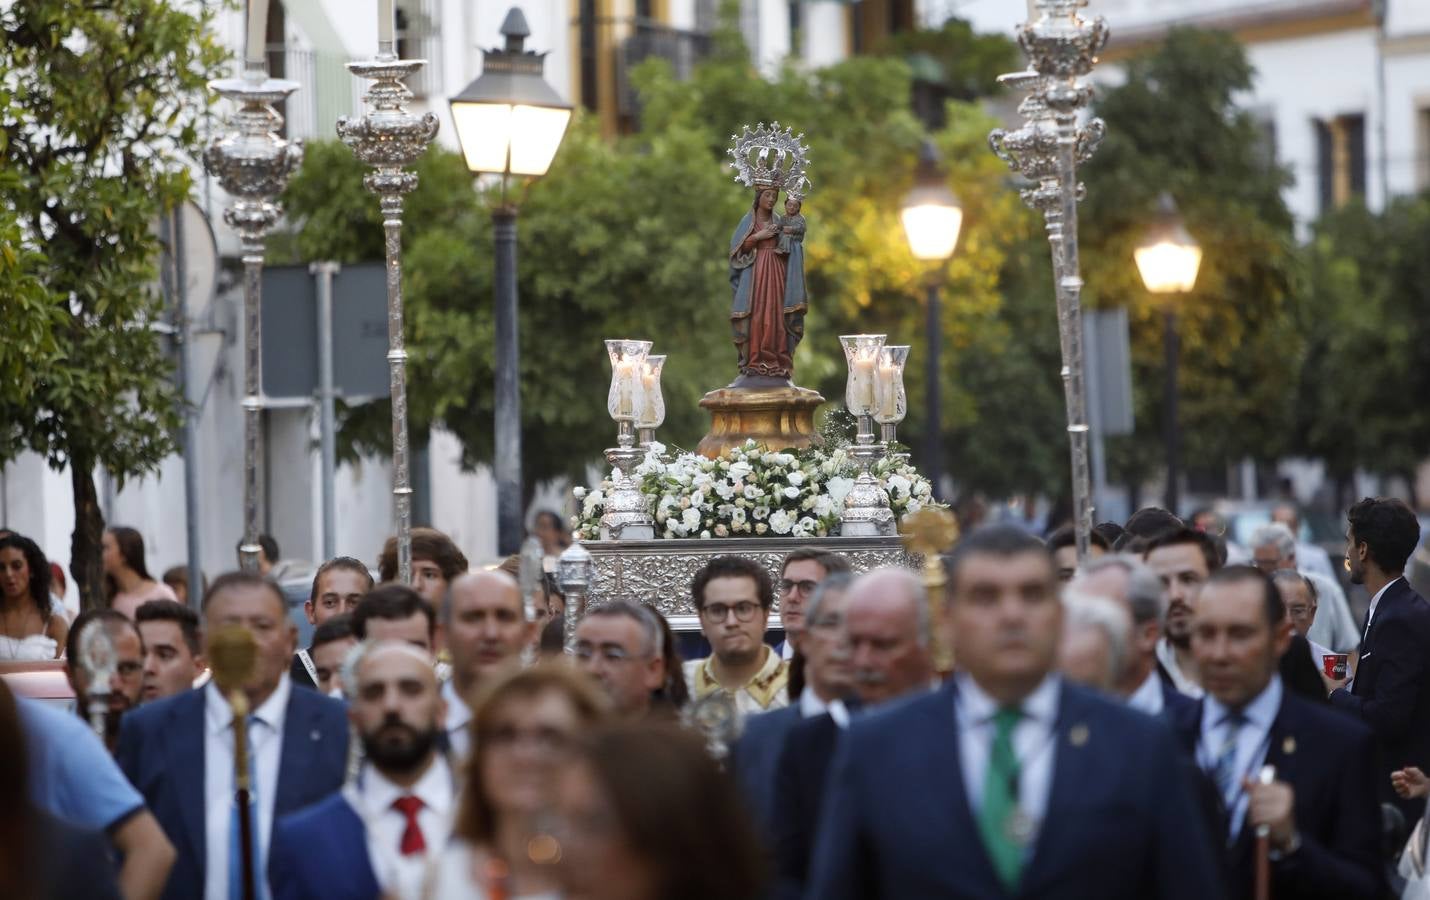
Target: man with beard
column 1183, row 558
column 1389, row 691
column 126, row 680
column 373, row 837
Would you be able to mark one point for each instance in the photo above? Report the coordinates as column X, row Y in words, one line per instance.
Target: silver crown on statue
column 768, row 156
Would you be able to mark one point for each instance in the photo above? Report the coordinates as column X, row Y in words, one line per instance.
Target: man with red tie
column 372, row 838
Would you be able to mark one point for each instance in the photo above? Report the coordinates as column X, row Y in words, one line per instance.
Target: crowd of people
column 1145, row 722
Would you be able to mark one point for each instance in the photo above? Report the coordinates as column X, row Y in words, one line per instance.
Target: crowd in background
column 1147, row 721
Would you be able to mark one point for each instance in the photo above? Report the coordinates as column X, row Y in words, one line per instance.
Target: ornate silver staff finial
column 389, row 138
column 253, row 165
column 1062, row 49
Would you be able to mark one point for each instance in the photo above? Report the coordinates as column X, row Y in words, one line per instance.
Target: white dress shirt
column 1034, row 743
column 1375, row 601
column 810, row 706
column 1148, row 696
column 266, row 738
column 459, row 715
column 1168, row 658
column 1251, row 743
column 785, row 649
column 399, row 876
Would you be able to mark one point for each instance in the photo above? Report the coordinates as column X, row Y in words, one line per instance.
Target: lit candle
column 888, row 392
column 625, row 389
column 863, row 373
column 649, row 387
column 386, row 23
column 257, row 34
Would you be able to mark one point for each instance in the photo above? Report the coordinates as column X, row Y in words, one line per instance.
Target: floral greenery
column 751, row 491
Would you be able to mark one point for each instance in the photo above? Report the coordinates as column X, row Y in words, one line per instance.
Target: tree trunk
column 85, row 563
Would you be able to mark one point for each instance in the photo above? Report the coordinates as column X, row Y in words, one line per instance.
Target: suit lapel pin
column 1077, row 735
column 1288, row 746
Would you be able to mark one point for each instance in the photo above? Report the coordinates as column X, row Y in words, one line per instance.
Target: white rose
column 578, row 492
column 761, row 528
column 723, row 490
column 697, row 498
column 705, row 535
column 781, row 521
column 899, row 485
column 791, row 493
column 690, row 519
column 796, row 478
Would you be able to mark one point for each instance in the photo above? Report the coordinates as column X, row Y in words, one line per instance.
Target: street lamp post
column 253, row 163
column 509, row 122
column 1168, row 259
column 932, row 219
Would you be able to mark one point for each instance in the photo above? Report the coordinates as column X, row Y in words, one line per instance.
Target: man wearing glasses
column 619, row 645
column 800, row 574
column 733, row 596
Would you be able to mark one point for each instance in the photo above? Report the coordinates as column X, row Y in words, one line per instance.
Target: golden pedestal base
column 778, row 417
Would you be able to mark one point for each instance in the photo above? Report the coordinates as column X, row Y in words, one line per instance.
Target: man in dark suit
column 1009, row 782
column 1391, row 688
column 374, row 837
column 179, row 751
column 753, row 758
column 338, row 585
column 1320, row 812
column 886, row 627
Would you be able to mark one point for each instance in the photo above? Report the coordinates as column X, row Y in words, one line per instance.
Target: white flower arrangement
column 751, row 491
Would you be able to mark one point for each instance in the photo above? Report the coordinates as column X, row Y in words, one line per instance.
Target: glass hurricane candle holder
column 652, row 408
column 623, row 401
column 861, row 352
column 893, row 400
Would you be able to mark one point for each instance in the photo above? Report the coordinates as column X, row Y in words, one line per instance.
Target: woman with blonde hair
column 523, row 730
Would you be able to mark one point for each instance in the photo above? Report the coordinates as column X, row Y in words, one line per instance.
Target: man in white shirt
column 1183, row 558
column 179, row 751
column 484, row 627
column 375, row 836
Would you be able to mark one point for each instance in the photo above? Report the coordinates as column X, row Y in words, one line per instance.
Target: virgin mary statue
column 767, row 315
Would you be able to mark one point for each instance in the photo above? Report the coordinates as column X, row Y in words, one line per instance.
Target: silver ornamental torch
column 389, row 138
column 253, row 164
column 575, row 569
column 1061, row 48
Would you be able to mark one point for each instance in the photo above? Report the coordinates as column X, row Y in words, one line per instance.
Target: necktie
column 235, row 828
column 412, row 840
column 996, row 820
column 1224, row 767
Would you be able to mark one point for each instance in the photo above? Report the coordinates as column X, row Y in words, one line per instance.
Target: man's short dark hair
column 1151, row 521
column 391, row 602
column 733, row 567
column 427, row 543
column 171, row 611
column 346, row 563
column 830, row 561
column 1185, row 535
column 1110, row 532
column 1066, row 536
column 1388, row 529
column 230, row 580
column 1272, row 604
column 112, row 619
column 994, row 540
column 337, row 628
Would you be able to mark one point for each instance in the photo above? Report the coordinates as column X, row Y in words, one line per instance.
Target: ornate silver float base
column 660, row 571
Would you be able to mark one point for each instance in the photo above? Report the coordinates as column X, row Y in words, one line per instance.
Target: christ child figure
column 793, row 230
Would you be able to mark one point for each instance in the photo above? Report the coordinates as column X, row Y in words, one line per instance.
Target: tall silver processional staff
column 389, row 138
column 253, row 164
column 1061, row 48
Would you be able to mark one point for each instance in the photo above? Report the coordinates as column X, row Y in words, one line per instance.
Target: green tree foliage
column 1174, row 125
column 1361, row 399
column 628, row 238
column 98, row 116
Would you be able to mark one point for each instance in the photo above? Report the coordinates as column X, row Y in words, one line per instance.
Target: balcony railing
column 644, row 39
column 326, row 90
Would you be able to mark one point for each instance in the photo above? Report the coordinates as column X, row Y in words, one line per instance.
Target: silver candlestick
column 627, row 516
column 866, row 506
column 389, row 138
column 574, row 570
column 1061, row 48
column 253, row 165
